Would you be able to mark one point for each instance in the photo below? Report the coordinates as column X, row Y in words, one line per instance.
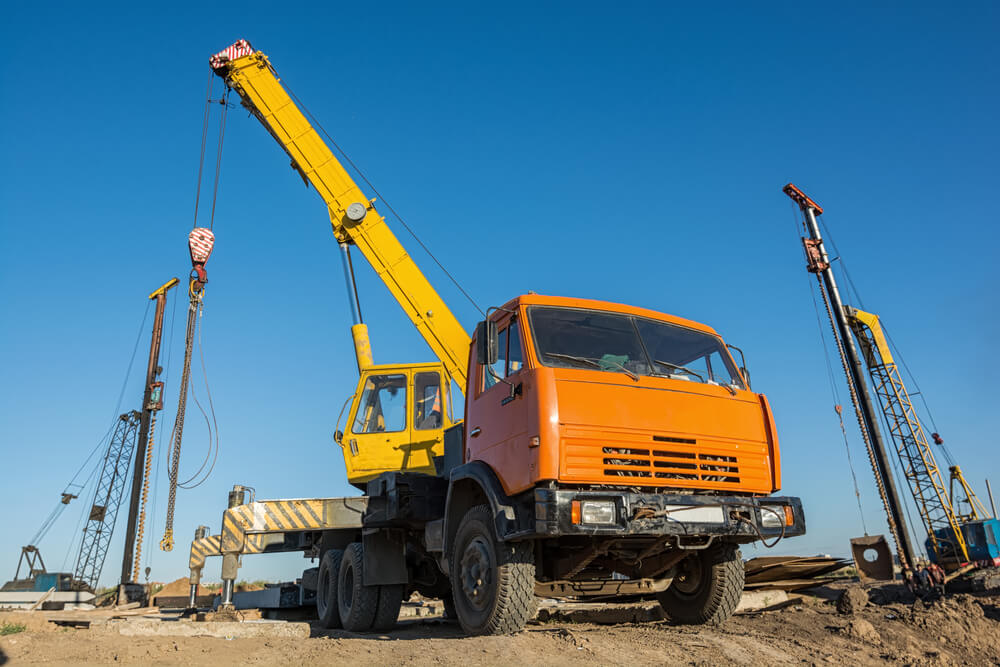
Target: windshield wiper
column 591, row 362
column 680, row 368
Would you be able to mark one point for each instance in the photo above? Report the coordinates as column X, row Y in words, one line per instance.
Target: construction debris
column 789, row 573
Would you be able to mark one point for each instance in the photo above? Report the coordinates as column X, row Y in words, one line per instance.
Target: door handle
column 474, row 433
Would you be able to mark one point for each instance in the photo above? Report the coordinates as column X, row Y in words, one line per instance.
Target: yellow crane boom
column 352, row 215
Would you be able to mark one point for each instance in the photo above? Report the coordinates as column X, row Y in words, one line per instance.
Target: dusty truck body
column 604, row 448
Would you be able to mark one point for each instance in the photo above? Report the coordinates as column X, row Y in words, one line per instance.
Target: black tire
column 326, row 589
column 357, row 603
column 449, row 608
column 390, row 599
column 493, row 583
column 707, row 587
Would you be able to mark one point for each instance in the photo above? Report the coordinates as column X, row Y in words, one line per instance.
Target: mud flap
column 385, row 557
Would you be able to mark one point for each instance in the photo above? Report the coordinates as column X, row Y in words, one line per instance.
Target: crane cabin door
column 396, row 423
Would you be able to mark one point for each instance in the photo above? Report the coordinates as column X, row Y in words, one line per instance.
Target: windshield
column 577, row 338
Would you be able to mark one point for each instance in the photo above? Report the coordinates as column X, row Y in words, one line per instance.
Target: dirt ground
column 959, row 630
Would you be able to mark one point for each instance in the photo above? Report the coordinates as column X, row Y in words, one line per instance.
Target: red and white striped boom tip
column 237, row 50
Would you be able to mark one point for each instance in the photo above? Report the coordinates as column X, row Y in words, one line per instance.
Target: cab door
column 378, row 425
column 396, row 422
column 497, row 414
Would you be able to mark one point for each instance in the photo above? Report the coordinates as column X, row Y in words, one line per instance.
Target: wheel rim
column 323, row 591
column 477, row 573
column 347, row 587
column 689, row 576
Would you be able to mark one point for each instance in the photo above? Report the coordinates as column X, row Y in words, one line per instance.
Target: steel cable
column 378, row 194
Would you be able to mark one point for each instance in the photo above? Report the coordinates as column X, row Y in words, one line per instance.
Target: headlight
column 775, row 516
column 600, row 512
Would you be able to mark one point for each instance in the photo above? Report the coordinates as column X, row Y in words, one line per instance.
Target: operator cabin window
column 427, row 401
column 382, row 408
column 510, row 359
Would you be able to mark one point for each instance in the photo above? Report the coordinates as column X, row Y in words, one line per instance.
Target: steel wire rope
column 865, row 436
column 838, row 409
column 212, row 428
column 83, row 488
column 831, row 379
column 118, row 405
column 828, row 236
column 378, row 194
column 204, row 140
column 919, row 392
column 910, row 501
column 218, row 154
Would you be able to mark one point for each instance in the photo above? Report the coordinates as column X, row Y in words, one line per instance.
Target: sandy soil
column 960, row 630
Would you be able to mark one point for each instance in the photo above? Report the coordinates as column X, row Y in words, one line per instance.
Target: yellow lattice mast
column 920, row 468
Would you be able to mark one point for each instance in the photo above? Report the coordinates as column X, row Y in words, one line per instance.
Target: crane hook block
column 200, row 243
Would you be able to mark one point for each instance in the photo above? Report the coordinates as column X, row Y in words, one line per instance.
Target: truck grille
column 666, row 464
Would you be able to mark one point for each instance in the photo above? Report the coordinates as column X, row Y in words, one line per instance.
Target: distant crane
column 954, row 539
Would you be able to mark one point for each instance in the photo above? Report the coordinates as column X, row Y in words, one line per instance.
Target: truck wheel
column 493, row 583
column 326, row 589
column 706, row 588
column 449, row 608
column 390, row 599
column 357, row 603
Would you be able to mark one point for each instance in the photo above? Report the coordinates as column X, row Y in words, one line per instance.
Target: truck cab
column 588, row 392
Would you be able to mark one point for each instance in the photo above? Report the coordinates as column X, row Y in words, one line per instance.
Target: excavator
column 604, row 447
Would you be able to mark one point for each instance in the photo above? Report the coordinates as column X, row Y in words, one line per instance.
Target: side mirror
column 338, row 436
column 743, row 363
column 487, row 343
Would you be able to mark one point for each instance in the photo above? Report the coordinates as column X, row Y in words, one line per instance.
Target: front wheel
column 493, row 582
column 707, row 587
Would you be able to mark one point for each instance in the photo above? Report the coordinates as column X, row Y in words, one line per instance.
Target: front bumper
column 657, row 514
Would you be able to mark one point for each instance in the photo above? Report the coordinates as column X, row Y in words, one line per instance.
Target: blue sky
column 634, row 153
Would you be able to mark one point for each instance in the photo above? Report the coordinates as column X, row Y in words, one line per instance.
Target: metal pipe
column 148, row 408
column 227, row 593
column 989, row 492
column 193, row 598
column 894, row 505
column 352, row 294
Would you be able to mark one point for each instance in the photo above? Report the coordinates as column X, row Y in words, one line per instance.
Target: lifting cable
column 200, row 243
column 837, row 405
column 388, row 206
column 73, row 489
column 908, row 501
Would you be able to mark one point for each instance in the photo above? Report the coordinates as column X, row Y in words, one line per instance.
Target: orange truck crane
column 604, row 446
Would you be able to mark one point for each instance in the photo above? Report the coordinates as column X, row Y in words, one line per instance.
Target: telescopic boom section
column 352, row 214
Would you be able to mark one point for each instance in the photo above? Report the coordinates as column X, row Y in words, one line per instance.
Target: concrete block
column 226, row 630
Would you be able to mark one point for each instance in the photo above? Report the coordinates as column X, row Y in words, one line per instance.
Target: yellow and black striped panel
column 288, row 516
column 202, row 548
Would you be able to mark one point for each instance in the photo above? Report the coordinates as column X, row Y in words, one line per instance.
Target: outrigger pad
column 877, row 566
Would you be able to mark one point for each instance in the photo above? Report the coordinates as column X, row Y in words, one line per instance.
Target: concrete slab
column 27, row 599
column 754, row 600
column 225, row 630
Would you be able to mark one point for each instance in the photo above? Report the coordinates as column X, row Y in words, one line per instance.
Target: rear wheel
column 326, row 589
column 390, row 599
column 493, row 583
column 356, row 602
column 706, row 588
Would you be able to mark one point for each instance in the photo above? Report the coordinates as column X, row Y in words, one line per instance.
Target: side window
column 426, row 401
column 383, row 405
column 510, row 358
column 515, row 360
column 491, row 374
